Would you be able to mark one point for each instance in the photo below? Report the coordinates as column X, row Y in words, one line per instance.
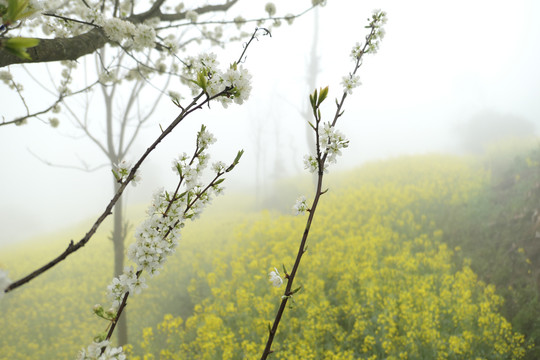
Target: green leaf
column 18, row 45
column 323, row 95
column 219, row 181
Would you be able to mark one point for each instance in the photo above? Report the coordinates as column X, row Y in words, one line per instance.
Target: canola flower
column 367, row 246
column 380, row 283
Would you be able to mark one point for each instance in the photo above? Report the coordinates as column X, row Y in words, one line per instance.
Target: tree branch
column 59, row 49
column 73, row 48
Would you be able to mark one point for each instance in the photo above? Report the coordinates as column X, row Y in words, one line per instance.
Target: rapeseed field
column 377, row 281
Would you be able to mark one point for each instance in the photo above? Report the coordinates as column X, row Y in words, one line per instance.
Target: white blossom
column 192, row 15
column 289, row 18
column 54, row 122
column 122, row 171
column 6, row 77
column 300, row 207
column 311, row 163
column 275, row 278
column 270, row 8
column 144, row 37
column 117, row 29
column 203, row 72
column 239, row 21
column 332, row 141
column 219, row 167
column 108, row 76
column 356, row 51
column 93, row 352
column 350, row 82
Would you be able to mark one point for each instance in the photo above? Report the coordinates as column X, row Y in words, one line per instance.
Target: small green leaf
column 323, row 95
column 295, row 290
column 18, row 45
column 219, row 181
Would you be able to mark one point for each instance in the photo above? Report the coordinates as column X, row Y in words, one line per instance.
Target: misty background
column 445, row 73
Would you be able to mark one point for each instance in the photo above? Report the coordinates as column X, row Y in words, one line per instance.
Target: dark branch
column 73, row 48
column 59, row 49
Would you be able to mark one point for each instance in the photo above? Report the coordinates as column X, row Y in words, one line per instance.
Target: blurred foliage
column 487, row 128
column 499, row 230
column 386, row 276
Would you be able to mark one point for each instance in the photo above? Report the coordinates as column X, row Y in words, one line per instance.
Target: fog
column 440, row 65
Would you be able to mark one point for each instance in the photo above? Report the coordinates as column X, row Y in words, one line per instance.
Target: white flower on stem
column 6, row 77
column 93, row 352
column 289, row 18
column 275, row 278
column 175, row 96
column 117, row 29
column 318, row 2
column 239, row 21
column 356, row 51
column 144, row 37
column 270, row 8
column 350, row 82
column 203, row 74
column 311, row 163
column 332, row 141
column 300, row 207
column 4, row 282
column 219, row 167
column 205, row 138
column 54, row 122
column 108, row 76
column 122, row 171
column 192, row 15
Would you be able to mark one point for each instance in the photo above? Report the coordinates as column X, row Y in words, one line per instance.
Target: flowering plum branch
column 158, row 236
column 232, row 85
column 329, row 142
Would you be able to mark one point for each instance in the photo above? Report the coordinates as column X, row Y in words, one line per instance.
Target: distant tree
column 488, row 127
column 134, row 44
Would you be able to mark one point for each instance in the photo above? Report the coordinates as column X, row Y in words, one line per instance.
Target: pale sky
column 439, row 64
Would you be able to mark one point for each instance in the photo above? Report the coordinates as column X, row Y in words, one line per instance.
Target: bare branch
column 85, row 166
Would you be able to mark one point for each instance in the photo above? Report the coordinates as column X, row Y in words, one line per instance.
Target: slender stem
column 301, row 250
column 321, row 159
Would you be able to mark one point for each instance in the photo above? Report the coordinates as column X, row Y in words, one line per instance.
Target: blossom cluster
column 318, row 2
column 275, row 278
column 94, row 352
column 128, row 281
column 378, row 19
column 122, row 170
column 124, row 32
column 202, row 73
column 350, row 82
column 158, row 235
column 300, row 207
column 332, row 141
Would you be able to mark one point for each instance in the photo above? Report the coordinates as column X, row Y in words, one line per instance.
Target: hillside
column 405, row 261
